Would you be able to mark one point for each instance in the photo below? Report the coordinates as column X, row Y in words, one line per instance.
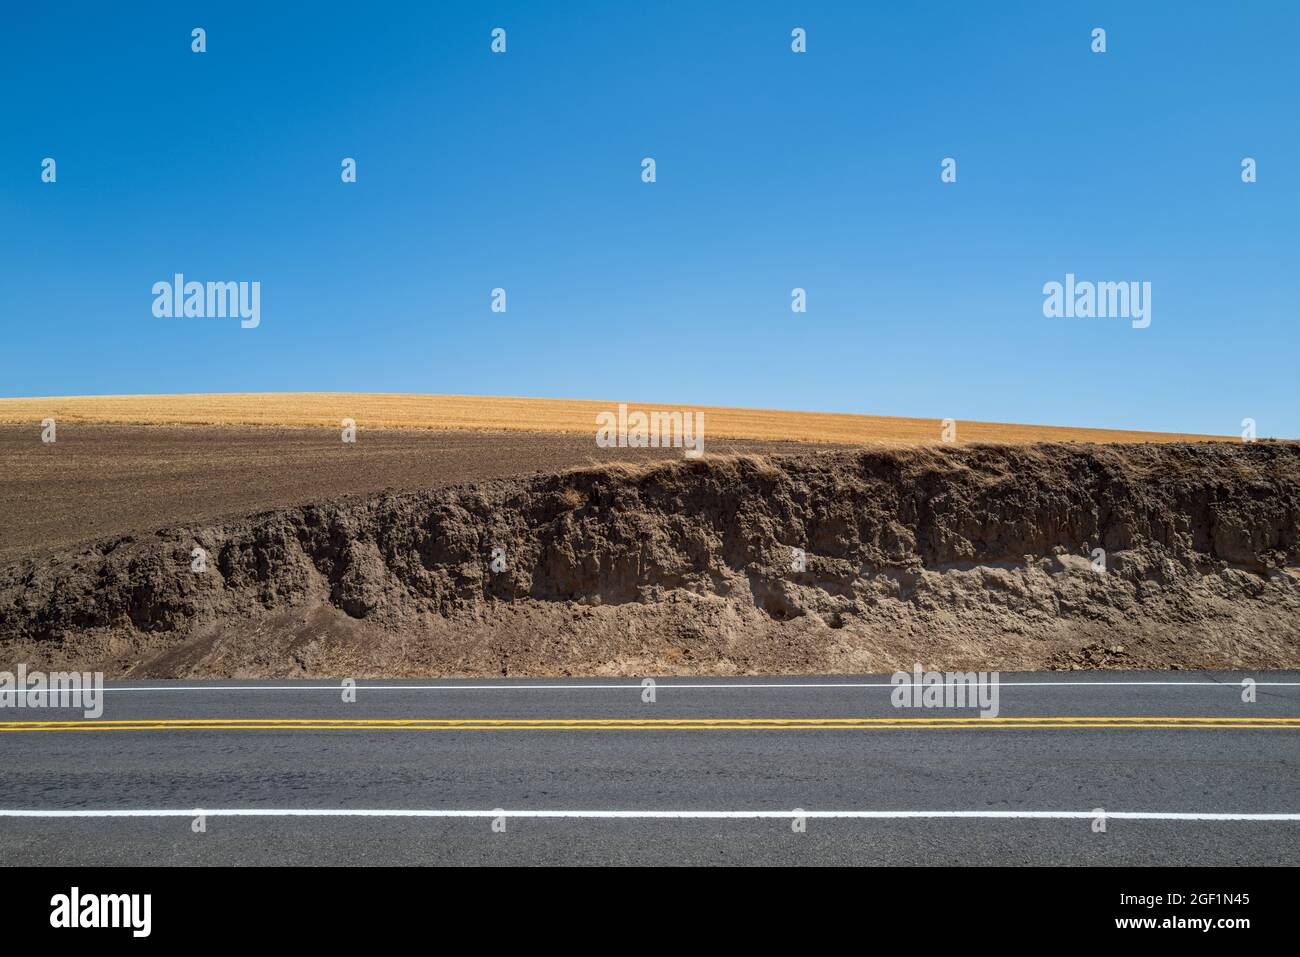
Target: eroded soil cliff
column 973, row 557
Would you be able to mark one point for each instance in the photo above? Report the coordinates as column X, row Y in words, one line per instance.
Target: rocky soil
column 977, row 557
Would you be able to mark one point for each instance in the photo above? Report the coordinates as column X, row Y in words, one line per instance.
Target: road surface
column 713, row 771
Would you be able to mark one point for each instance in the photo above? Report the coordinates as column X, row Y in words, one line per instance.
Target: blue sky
column 775, row 170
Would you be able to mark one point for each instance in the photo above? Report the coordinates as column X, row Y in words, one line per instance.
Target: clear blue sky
column 775, row 170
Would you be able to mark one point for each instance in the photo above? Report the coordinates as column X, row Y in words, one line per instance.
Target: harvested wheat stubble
column 958, row 558
column 328, row 409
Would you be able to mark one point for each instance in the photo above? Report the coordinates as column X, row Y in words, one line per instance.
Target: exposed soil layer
column 957, row 558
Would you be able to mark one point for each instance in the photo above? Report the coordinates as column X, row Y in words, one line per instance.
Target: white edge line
column 659, row 686
column 643, row 815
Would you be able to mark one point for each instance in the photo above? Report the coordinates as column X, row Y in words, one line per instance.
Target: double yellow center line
column 653, row 724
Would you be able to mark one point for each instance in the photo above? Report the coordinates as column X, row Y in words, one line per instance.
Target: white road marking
column 660, row 686
column 644, row 815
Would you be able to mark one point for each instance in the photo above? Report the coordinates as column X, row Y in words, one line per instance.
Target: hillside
column 376, row 411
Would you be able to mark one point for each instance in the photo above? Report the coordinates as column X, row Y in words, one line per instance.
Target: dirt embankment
column 973, row 557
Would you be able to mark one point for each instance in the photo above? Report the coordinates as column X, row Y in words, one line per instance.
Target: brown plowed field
column 133, row 464
column 97, row 481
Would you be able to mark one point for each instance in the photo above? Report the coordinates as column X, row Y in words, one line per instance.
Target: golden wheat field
column 493, row 413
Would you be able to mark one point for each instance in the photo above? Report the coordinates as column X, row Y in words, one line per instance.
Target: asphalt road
column 713, row 771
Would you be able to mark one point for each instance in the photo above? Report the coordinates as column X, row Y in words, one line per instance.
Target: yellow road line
column 649, row 724
column 581, row 722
